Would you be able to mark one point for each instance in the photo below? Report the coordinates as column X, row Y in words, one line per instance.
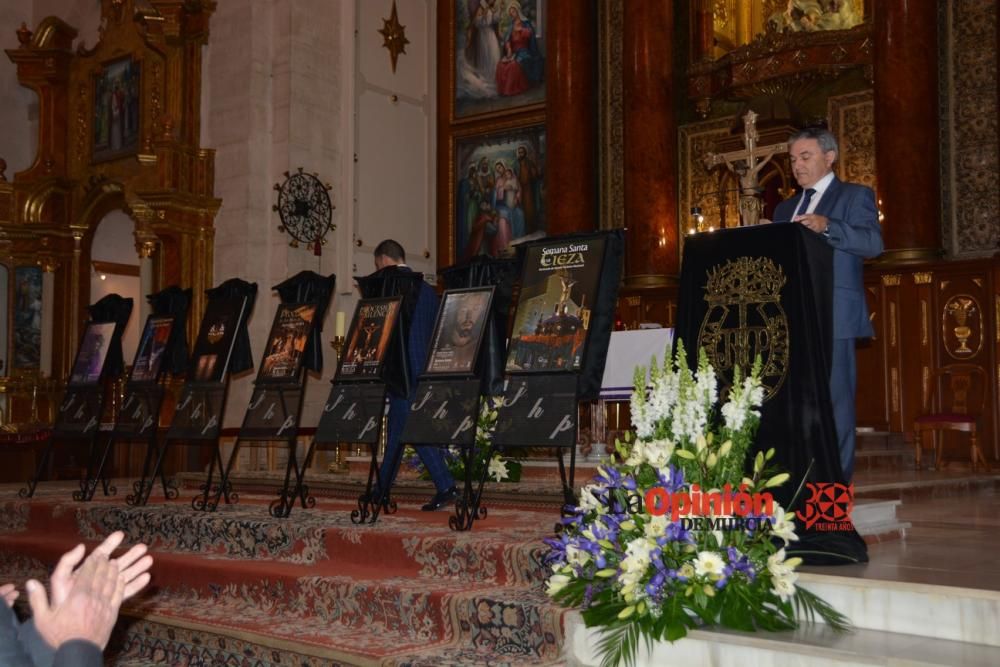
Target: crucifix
column 746, row 164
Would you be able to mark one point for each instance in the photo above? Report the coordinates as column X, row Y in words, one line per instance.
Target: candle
column 340, row 324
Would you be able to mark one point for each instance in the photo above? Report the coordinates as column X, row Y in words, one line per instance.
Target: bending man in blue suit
column 846, row 215
column 391, row 253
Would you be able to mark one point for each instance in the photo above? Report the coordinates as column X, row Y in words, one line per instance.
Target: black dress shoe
column 441, row 499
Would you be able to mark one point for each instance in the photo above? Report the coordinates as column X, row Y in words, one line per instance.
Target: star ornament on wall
column 394, row 36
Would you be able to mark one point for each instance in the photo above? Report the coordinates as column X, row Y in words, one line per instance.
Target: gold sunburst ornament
column 394, row 36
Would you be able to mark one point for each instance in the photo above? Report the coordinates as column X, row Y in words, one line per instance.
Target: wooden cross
column 746, row 164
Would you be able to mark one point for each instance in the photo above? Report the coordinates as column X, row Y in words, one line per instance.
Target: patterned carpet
column 237, row 587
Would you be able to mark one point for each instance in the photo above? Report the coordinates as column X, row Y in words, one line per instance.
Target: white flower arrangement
column 673, row 535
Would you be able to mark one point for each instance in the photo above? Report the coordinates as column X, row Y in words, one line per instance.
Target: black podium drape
column 734, row 316
column 501, row 274
column 404, row 282
column 310, row 287
column 234, row 289
column 174, row 302
column 117, row 309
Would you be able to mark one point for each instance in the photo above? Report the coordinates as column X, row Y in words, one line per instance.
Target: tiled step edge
column 812, row 644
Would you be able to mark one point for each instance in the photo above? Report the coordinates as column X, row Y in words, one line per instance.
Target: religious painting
column 27, row 317
column 499, row 188
column 214, row 346
column 286, row 343
column 499, row 54
column 559, row 283
column 368, row 338
column 462, row 318
column 116, row 110
column 152, row 346
column 94, row 346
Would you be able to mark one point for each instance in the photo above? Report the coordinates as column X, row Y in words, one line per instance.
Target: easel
column 222, row 348
column 99, row 356
column 445, row 412
column 557, row 359
column 353, row 413
column 78, row 417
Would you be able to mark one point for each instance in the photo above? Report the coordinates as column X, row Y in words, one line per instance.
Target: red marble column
column 571, row 116
column 650, row 131
column 906, row 127
column 702, row 31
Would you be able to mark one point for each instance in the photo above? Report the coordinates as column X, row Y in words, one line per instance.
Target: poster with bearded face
column 462, row 318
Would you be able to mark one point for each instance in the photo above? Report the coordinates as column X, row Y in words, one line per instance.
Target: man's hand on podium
column 817, row 223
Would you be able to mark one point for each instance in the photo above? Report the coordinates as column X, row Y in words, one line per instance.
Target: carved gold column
column 74, row 300
column 145, row 246
column 49, row 266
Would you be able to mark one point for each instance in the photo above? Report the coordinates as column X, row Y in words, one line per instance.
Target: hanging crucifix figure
column 747, row 164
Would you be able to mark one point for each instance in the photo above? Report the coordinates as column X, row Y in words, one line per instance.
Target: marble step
column 946, row 613
column 811, row 644
column 895, row 623
column 876, row 520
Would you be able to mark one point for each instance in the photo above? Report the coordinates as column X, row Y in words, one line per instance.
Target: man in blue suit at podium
column 844, row 213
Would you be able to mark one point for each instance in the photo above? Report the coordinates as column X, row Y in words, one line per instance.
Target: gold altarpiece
column 87, row 165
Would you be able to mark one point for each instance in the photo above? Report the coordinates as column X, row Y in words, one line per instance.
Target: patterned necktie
column 806, row 198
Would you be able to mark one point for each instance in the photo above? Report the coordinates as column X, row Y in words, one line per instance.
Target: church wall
column 306, row 83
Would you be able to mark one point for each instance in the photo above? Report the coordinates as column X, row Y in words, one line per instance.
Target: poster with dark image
column 152, row 346
column 214, row 345
column 461, row 320
column 89, row 364
column 559, row 284
column 287, row 341
column 368, row 338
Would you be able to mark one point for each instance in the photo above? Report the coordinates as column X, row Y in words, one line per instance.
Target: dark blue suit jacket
column 22, row 646
column 855, row 235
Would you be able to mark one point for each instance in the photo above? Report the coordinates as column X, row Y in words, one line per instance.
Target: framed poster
column 499, row 190
column 368, row 338
column 498, row 49
column 214, row 346
column 116, row 110
column 152, row 346
column 27, row 330
column 458, row 331
column 89, row 363
column 286, row 344
column 559, row 284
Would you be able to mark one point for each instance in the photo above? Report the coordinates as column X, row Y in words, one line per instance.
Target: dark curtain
column 797, row 420
column 234, row 288
column 174, row 302
column 117, row 309
column 310, row 287
column 396, row 281
column 484, row 271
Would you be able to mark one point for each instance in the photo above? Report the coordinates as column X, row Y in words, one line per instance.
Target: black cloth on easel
column 310, row 287
column 174, row 302
column 234, row 288
column 117, row 309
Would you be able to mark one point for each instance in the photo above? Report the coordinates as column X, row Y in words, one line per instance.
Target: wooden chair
column 966, row 388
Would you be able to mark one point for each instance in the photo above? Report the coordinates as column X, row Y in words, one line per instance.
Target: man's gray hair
column 827, row 142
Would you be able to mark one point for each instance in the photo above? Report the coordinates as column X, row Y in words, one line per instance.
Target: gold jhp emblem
column 745, row 319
